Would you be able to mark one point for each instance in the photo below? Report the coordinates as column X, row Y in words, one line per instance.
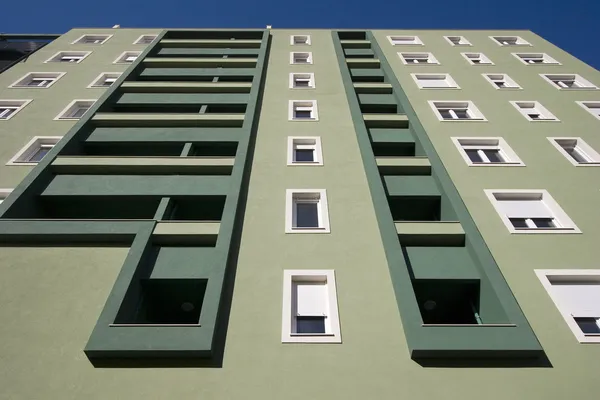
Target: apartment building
column 240, row 214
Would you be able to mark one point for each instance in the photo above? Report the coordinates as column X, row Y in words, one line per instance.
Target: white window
column 304, row 151
column 38, row 80
column 127, row 57
column 145, row 39
column 92, row 39
column 530, row 211
column 576, row 294
column 510, row 41
column 568, row 81
column 69, row 56
column 298, row 40
column 34, row 151
column 104, row 80
column 533, row 111
column 501, row 81
column 576, row 150
column 486, row 151
column 404, row 40
column 457, row 40
column 456, row 111
column 477, row 59
column 9, row 108
column 435, row 81
column 306, row 211
column 310, row 310
column 301, row 58
column 303, row 110
column 418, row 58
column 535, row 58
column 593, row 107
column 302, row 80
column 75, row 110
column 4, row 194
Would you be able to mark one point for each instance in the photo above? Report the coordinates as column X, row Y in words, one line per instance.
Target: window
column 310, row 311
column 306, row 211
column 304, row 151
column 435, row 81
column 38, row 80
column 533, row 111
column 535, row 58
column 145, row 39
column 488, row 151
column 456, row 111
column 105, row 79
column 501, row 81
column 92, row 39
column 302, row 81
column 593, row 107
column 477, row 59
column 576, row 294
column 418, row 58
column 510, row 41
column 9, row 108
column 530, row 211
column 76, row 109
column 576, row 150
column 568, row 81
column 297, row 40
column 303, row 110
column 69, row 56
column 4, row 194
column 404, row 40
column 127, row 57
column 301, row 58
column 34, row 151
column 457, row 40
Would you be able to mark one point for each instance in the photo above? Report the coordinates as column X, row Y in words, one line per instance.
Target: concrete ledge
column 362, row 62
column 188, row 87
column 404, row 165
column 186, row 232
column 249, row 43
column 167, row 119
column 434, row 233
column 374, row 87
column 200, row 62
column 386, row 120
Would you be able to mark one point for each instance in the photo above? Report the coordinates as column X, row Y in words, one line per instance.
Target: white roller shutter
column 311, row 298
column 580, row 299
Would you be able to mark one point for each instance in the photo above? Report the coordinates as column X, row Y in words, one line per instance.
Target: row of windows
column 459, row 40
column 103, row 38
column 74, row 110
column 476, row 58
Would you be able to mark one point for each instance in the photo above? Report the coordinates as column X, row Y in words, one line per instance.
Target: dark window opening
column 310, row 325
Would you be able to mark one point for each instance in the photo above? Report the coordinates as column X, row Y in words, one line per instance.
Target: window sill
column 543, row 230
column 306, row 164
column 304, row 119
column 308, row 230
column 312, row 334
column 440, row 88
column 505, row 164
column 464, row 120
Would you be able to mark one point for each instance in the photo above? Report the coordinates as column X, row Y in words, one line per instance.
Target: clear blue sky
column 572, row 25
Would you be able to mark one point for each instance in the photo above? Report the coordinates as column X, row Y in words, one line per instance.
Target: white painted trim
column 578, row 78
column 311, row 83
column 481, row 55
column 106, row 39
column 582, row 104
column 293, row 43
column 137, row 41
column 501, row 144
column 416, row 40
column 56, row 56
column 33, row 145
column 56, row 77
column 479, row 117
column 467, row 43
column 448, row 78
column 592, row 275
column 431, row 60
column 102, row 77
column 125, row 54
column 315, row 111
column 507, row 78
column 551, row 60
column 566, row 224
column 310, row 57
column 539, row 107
column 318, row 152
column 310, row 275
column 518, row 38
column 586, row 148
column 323, row 211
column 70, row 106
column 6, row 103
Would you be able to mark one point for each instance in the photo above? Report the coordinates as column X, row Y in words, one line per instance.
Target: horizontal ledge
column 212, row 61
column 430, row 233
column 179, row 232
column 372, row 87
column 190, row 87
column 252, row 43
column 96, row 164
column 469, row 325
column 153, row 325
column 402, row 161
column 154, row 119
column 385, row 117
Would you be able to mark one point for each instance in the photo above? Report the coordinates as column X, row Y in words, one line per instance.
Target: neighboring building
column 245, row 214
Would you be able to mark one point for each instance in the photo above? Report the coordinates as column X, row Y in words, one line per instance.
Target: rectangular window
column 69, row 56
column 92, row 39
column 105, row 79
column 501, row 81
column 302, row 81
column 435, row 81
column 533, row 111
column 145, row 39
column 306, row 211
column 535, row 58
column 456, row 111
column 34, row 151
column 38, row 80
column 405, row 40
column 301, row 58
column 457, row 40
column 510, row 41
column 593, row 107
column 568, row 81
column 75, row 109
column 299, row 40
column 310, row 312
column 530, row 211
column 304, row 151
column 576, row 150
column 418, row 58
column 477, row 59
column 303, row 110
column 9, row 108
column 486, row 151
column 127, row 57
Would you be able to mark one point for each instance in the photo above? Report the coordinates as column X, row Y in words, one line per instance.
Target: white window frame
column 71, row 107
column 17, row 105
column 446, row 77
column 565, row 224
column 549, row 60
column 333, row 332
column 416, row 41
column 309, row 60
column 138, row 40
column 462, row 40
column 549, row 117
column 304, row 142
column 487, row 143
column 293, row 40
column 584, row 149
column 56, row 58
column 4, row 194
column 126, row 54
column 313, row 106
column 105, row 39
column 584, row 105
column 519, row 39
column 53, row 77
column 97, row 82
column 586, row 85
column 296, row 75
column 506, row 78
column 546, row 276
column 474, row 112
column 23, row 155
column 317, row 195
column 431, row 60
column 483, row 57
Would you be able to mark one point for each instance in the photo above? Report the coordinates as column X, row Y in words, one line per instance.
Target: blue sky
column 571, row 25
